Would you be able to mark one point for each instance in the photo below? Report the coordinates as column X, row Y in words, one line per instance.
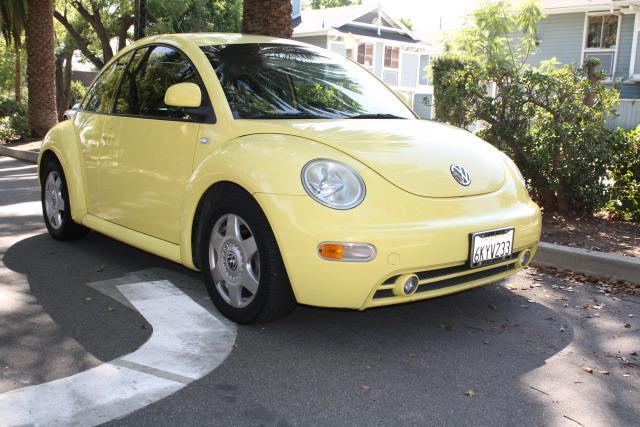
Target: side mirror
column 186, row 95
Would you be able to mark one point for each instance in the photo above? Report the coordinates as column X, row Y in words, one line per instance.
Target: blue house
column 371, row 36
column 609, row 30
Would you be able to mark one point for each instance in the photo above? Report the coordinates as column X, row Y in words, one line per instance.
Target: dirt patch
column 622, row 238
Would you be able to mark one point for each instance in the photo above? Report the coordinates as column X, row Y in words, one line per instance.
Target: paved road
column 521, row 347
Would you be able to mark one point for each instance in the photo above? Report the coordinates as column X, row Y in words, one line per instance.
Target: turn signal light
column 349, row 252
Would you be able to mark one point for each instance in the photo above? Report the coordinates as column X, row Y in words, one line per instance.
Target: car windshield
column 274, row 81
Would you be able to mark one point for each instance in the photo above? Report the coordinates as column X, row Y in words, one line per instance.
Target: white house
column 371, row 36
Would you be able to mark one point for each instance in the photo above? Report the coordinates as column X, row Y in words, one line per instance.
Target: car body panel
column 141, row 187
column 415, row 214
column 414, row 155
column 410, row 234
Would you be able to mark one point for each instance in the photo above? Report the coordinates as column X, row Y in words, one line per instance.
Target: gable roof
column 323, row 20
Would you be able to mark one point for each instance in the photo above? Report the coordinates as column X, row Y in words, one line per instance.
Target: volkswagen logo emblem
column 460, row 174
column 232, row 261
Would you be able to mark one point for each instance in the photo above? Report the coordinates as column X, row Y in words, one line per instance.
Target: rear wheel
column 244, row 273
column 56, row 207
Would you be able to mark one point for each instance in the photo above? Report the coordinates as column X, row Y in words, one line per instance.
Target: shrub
column 13, row 120
column 624, row 188
column 77, row 91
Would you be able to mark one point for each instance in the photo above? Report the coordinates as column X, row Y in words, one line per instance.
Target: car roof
column 208, row 39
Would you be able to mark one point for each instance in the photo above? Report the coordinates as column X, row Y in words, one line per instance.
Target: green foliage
column 13, row 120
column 181, row 16
column 551, row 121
column 624, row 190
column 77, row 92
column 8, row 68
column 319, row 4
column 407, row 23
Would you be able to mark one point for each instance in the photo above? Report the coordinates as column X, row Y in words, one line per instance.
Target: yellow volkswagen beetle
column 286, row 174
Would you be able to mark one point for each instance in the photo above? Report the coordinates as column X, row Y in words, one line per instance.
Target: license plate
column 490, row 247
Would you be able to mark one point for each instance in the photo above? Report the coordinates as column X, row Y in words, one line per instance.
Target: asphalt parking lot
column 535, row 350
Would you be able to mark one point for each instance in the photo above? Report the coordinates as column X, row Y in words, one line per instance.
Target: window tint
column 263, row 81
column 100, row 96
column 147, row 78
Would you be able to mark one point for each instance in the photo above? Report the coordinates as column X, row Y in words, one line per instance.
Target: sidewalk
column 27, row 151
column 549, row 255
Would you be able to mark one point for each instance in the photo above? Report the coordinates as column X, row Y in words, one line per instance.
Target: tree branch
column 95, row 21
column 82, row 43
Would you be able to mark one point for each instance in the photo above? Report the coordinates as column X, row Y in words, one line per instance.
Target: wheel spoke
column 233, row 227
column 54, row 220
column 59, row 202
column 250, row 247
column 216, row 240
column 235, row 295
column 249, row 282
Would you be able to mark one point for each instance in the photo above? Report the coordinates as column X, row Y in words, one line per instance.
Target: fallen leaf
column 365, row 387
column 471, row 392
column 562, row 329
column 88, row 299
column 493, row 307
column 450, row 327
column 603, row 372
column 111, row 309
column 588, row 369
column 100, row 269
column 627, row 325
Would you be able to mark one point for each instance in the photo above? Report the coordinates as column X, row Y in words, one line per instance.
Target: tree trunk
column 18, row 61
column 41, row 67
column 267, row 17
column 63, row 82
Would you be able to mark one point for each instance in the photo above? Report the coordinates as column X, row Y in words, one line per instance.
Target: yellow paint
column 140, row 181
column 183, row 95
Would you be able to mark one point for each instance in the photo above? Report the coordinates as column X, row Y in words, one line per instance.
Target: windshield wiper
column 282, row 116
column 375, row 116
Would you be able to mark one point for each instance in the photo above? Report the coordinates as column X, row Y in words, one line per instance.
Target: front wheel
column 56, row 208
column 244, row 273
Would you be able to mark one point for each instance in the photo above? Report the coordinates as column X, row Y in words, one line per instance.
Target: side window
column 148, row 77
column 100, row 96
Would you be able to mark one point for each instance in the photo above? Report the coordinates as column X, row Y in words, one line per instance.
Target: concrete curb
column 25, row 155
column 588, row 262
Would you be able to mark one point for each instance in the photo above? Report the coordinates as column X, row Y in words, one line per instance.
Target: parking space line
column 187, row 343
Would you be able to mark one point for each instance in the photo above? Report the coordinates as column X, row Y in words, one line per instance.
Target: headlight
column 515, row 170
column 333, row 184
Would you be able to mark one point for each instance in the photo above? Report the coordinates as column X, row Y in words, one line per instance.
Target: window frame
column 391, row 48
column 206, row 100
column 614, row 51
column 373, row 54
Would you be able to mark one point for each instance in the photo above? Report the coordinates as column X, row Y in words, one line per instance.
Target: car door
column 89, row 124
column 147, row 157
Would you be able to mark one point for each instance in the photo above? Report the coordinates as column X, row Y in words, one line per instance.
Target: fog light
column 405, row 285
column 525, row 258
column 350, row 252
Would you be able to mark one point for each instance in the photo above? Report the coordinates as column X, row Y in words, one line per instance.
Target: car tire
column 229, row 261
column 56, row 207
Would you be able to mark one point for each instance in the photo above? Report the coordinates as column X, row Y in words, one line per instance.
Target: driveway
column 534, row 350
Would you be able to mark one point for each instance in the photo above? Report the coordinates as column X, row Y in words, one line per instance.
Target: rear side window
column 102, row 92
column 147, row 78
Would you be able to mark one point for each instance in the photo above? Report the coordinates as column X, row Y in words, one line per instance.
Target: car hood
column 414, row 155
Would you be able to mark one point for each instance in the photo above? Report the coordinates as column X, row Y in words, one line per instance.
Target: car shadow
column 405, row 364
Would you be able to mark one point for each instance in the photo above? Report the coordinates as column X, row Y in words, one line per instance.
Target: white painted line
column 187, row 343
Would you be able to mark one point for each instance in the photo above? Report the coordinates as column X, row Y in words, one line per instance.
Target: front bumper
column 411, row 234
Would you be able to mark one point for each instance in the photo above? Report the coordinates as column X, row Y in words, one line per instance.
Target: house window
column 391, row 55
column 601, row 39
column 602, row 32
column 365, row 54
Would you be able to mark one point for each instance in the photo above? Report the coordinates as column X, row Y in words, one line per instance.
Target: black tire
column 67, row 229
column 274, row 298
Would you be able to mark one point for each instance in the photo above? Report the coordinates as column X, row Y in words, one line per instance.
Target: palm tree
column 41, row 67
column 13, row 18
column 267, row 17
